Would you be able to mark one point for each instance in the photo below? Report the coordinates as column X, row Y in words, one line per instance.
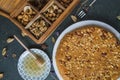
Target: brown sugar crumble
column 89, row 53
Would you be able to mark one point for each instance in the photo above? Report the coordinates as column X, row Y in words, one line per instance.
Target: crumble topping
column 89, row 53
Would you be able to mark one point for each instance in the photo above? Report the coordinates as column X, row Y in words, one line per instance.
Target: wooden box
column 35, row 20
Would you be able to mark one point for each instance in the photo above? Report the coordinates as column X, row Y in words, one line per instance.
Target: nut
column 53, row 40
column 53, row 12
column 14, row 55
column 44, row 46
column 1, row 75
column 26, row 15
column 9, row 40
column 39, row 27
column 25, row 18
column 28, row 10
column 20, row 17
column 74, row 18
column 4, row 51
column 23, row 34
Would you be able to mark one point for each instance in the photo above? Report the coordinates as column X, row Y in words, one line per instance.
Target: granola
column 89, row 53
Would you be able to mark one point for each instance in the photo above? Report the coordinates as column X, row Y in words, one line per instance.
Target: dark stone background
column 102, row 10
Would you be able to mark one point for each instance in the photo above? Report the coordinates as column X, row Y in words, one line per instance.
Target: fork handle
column 87, row 7
column 92, row 3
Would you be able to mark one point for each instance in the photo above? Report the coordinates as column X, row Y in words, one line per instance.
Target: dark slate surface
column 102, row 10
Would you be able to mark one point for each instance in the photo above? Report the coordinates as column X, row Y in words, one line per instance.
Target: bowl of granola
column 87, row 50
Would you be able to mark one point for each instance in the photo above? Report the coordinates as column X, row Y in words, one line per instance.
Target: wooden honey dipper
column 38, row 59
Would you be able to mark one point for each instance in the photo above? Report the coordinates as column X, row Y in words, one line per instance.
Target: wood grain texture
column 11, row 9
column 9, row 5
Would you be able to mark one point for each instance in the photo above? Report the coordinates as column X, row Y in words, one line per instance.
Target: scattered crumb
column 57, row 33
column 23, row 34
column 118, row 17
column 4, row 51
column 44, row 46
column 14, row 55
column 1, row 75
column 53, row 40
column 74, row 18
column 9, row 40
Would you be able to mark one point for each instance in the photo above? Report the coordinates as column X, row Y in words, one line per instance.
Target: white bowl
column 32, row 74
column 75, row 26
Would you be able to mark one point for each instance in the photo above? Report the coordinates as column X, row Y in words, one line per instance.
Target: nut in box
column 38, row 27
column 39, row 21
column 53, row 12
column 37, row 18
column 26, row 15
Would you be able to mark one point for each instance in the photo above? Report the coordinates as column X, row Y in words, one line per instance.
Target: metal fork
column 84, row 10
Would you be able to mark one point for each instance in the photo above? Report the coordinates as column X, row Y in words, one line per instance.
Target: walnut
column 26, row 15
column 39, row 27
column 53, row 12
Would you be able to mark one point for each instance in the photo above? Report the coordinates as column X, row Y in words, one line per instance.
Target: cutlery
column 84, row 10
